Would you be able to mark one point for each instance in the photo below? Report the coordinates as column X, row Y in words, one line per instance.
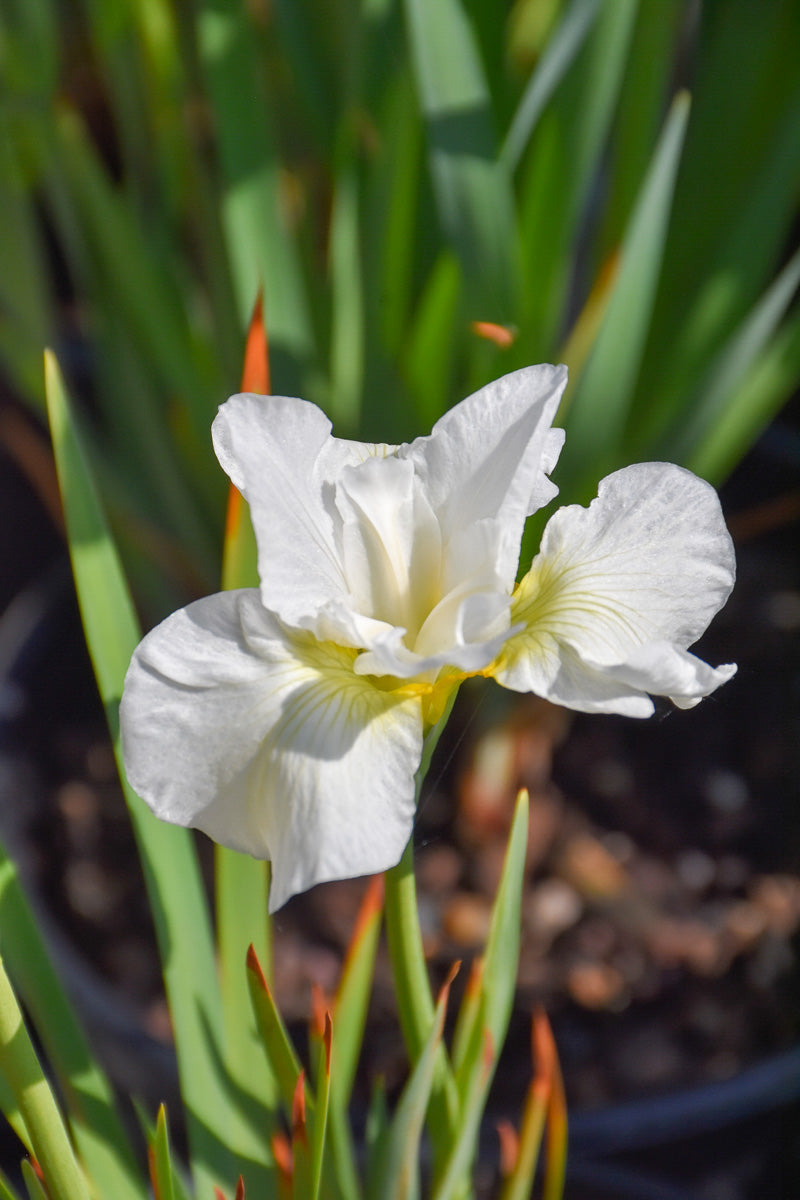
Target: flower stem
column 415, row 1001
column 411, row 982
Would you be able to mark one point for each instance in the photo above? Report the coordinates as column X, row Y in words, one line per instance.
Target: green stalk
column 38, row 1109
column 412, row 986
column 411, row 982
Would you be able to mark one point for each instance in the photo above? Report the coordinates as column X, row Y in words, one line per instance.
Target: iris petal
column 489, row 457
column 644, row 568
column 288, row 721
column 269, row 743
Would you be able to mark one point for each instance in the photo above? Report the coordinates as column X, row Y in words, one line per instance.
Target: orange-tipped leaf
column 282, row 1154
column 239, row 550
column 519, row 1180
column 274, row 1036
column 557, row 1125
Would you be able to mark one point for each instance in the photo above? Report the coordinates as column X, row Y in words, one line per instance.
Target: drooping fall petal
column 270, row 743
column 618, row 593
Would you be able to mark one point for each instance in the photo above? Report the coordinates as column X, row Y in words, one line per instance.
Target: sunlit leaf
column 170, row 866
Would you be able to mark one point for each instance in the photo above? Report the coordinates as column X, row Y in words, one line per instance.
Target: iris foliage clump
column 430, row 196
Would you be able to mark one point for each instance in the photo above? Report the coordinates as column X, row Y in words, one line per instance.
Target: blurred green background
column 612, row 182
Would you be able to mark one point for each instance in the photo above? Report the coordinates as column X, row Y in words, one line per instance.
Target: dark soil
column 662, row 906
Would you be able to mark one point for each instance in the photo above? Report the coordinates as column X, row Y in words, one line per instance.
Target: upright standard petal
column 490, row 457
column 270, row 446
column 618, row 593
column 269, row 743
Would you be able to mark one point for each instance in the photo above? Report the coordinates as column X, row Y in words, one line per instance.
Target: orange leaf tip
column 282, row 1153
column 299, row 1109
column 255, row 966
column 327, row 1038
column 255, row 371
column 509, row 1147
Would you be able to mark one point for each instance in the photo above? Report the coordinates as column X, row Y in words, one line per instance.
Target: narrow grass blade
column 508, row 1138
column 376, row 1137
column 146, row 354
column 312, row 66
column 556, row 59
column 241, row 890
column 713, row 304
column 10, row 1110
column 583, row 335
column 468, row 1015
column 124, row 264
column 6, row 1190
column 96, row 1128
column 320, row 1127
column 399, row 1174
column 184, row 163
column 116, row 46
column 350, row 1013
column 239, row 1194
column 643, row 99
column 347, row 303
column 519, row 1179
column 499, row 974
column 698, row 426
column 37, row 1107
column 255, row 371
column 484, row 1018
column 726, row 240
column 158, row 1157
column 430, row 353
column 556, row 1136
column 348, row 1184
column 557, row 174
column 25, row 313
column 769, row 383
column 242, row 882
column 453, row 1181
column 276, row 1041
column 239, row 553
column 177, row 898
column 353, row 993
column 282, row 1153
column 260, row 244
column 473, row 189
column 600, row 405
column 33, row 1184
column 391, row 214
column 301, row 1149
column 30, row 43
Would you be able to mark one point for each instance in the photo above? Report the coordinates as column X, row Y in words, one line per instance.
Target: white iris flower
column 288, row 721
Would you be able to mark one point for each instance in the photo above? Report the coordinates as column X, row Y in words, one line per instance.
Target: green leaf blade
column 472, row 187
column 168, row 857
column 98, row 1133
column 600, row 406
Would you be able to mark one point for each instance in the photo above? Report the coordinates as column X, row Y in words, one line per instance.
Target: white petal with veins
column 615, row 585
column 270, row 744
column 490, row 457
column 288, row 721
